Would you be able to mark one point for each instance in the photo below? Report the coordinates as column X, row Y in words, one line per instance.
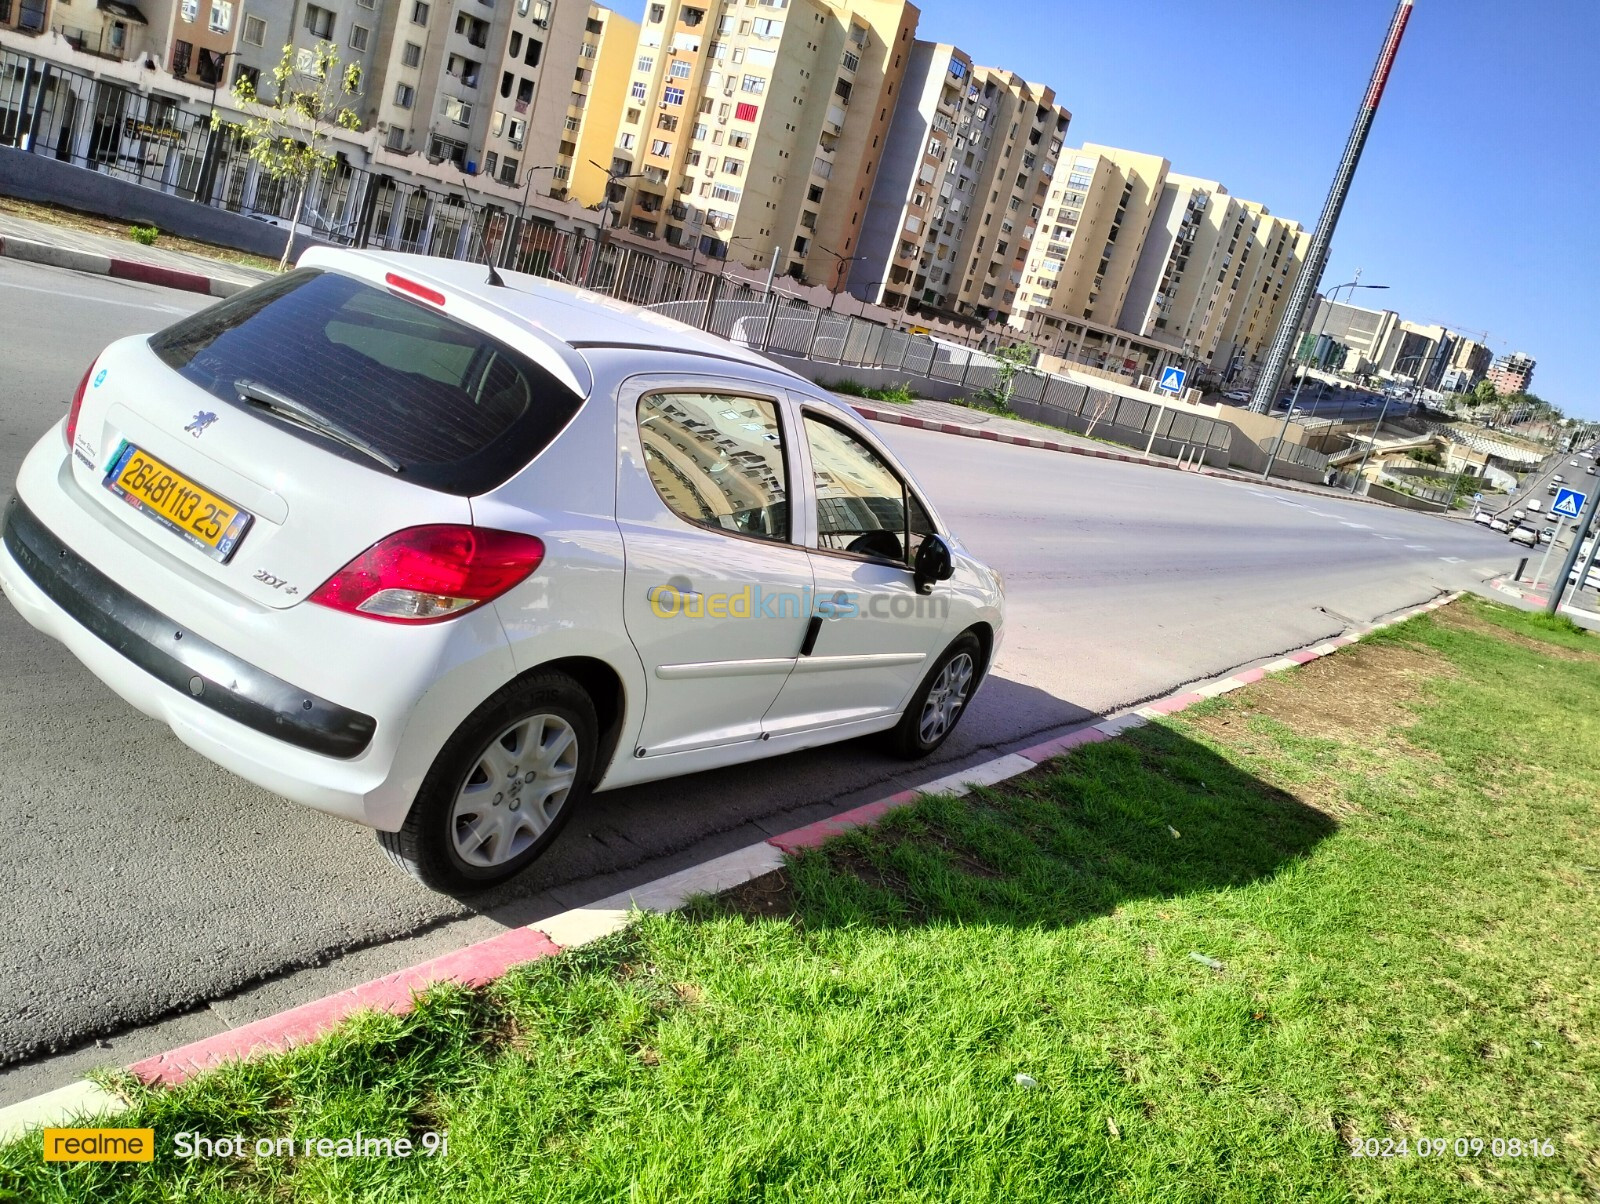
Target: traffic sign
column 1568, row 503
column 1172, row 380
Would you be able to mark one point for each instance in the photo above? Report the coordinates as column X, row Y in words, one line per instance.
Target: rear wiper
column 298, row 412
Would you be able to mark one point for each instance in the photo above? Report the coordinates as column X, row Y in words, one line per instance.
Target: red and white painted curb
column 485, row 961
column 123, row 269
column 875, row 414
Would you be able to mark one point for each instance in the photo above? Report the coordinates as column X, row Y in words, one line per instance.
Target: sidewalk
column 104, row 255
column 980, row 424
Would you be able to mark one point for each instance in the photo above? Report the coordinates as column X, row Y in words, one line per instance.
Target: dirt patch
column 1461, row 618
column 1360, row 693
column 71, row 219
column 769, row 897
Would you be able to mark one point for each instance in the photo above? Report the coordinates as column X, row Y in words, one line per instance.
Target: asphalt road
column 139, row 880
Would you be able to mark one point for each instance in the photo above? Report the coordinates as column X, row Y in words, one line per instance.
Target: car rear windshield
column 458, row 411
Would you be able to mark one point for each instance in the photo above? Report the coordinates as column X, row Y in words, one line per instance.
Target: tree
column 1009, row 361
column 288, row 137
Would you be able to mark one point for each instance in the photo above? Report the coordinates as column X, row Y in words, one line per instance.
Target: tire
column 929, row 718
column 482, row 816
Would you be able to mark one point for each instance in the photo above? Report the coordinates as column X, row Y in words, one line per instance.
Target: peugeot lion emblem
column 201, row 420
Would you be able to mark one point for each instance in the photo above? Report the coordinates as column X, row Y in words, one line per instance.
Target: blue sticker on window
column 99, row 378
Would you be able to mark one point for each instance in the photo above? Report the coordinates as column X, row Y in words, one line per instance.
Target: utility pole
column 1305, row 287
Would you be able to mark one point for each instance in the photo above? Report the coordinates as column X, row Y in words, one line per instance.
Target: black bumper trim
column 215, row 677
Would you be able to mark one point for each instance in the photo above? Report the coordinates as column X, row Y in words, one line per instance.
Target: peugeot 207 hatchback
column 442, row 556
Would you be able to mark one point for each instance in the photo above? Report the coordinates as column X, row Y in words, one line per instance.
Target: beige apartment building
column 754, row 130
column 1141, row 267
column 596, row 106
column 957, row 204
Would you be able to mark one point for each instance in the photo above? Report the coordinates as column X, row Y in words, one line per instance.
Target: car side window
column 864, row 507
column 717, row 460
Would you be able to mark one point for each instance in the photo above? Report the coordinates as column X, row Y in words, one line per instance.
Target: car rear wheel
column 501, row 788
column 940, row 701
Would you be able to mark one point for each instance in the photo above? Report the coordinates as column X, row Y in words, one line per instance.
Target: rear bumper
column 137, row 655
column 217, row 679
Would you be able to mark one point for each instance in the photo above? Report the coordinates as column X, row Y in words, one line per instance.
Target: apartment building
column 1363, row 332
column 907, row 255
column 754, row 129
column 1512, row 373
column 25, row 16
column 265, row 27
column 589, row 130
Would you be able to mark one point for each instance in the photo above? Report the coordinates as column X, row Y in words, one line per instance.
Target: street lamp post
column 840, row 262
column 208, row 171
column 612, row 176
column 522, row 209
column 1333, row 296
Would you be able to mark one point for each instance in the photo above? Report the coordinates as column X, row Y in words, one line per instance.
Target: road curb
column 50, row 255
column 483, row 962
column 971, row 432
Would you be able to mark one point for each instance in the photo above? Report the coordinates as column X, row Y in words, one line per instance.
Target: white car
column 442, row 556
column 1525, row 536
column 1237, row 395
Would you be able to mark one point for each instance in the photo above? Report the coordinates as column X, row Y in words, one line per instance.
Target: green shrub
column 144, row 235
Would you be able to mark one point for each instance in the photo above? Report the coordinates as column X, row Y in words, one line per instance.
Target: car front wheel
column 940, row 701
column 502, row 787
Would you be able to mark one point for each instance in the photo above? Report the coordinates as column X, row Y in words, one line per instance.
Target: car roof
column 562, row 314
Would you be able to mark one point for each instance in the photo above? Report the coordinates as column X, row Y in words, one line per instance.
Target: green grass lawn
column 1387, row 860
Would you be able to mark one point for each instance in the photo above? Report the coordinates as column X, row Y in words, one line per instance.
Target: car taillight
column 71, row 429
column 425, row 574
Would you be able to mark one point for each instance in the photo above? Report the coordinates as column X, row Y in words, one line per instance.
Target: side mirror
column 933, row 563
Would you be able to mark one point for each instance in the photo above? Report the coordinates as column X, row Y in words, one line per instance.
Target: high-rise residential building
column 458, row 79
column 957, row 203
column 25, row 16
column 1512, row 373
column 1138, row 267
column 354, row 27
column 755, row 130
column 590, row 129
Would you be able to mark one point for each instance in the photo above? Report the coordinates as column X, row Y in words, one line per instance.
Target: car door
column 874, row 634
column 716, row 583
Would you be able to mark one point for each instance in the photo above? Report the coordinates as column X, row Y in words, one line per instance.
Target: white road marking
column 28, row 288
column 1390, row 537
column 1418, row 547
column 1358, row 526
column 1451, row 559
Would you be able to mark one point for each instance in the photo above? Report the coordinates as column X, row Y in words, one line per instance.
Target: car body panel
column 608, row 537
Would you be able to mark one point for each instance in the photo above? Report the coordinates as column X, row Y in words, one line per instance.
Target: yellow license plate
column 191, row 511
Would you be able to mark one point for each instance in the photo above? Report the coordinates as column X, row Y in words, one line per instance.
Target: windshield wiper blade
column 296, row 411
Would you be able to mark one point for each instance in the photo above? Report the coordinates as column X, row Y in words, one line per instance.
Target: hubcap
column 514, row 790
column 945, row 700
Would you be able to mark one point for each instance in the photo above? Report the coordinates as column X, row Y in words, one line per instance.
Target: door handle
column 664, row 596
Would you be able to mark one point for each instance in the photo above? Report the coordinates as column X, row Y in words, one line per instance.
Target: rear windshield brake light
column 412, row 289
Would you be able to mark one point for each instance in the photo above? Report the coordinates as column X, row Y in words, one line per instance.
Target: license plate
column 194, row 513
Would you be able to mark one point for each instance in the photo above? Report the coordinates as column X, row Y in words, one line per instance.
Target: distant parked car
column 1558, row 478
column 1574, row 463
column 1484, row 517
column 1535, row 506
column 1499, row 524
column 1237, row 395
column 1547, row 535
column 1524, row 536
column 1590, row 470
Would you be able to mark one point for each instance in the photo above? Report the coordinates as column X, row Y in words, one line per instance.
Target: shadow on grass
column 1149, row 815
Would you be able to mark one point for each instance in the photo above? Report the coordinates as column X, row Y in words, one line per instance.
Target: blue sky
column 1478, row 198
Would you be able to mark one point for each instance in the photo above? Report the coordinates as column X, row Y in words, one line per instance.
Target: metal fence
column 156, row 143
column 790, row 326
